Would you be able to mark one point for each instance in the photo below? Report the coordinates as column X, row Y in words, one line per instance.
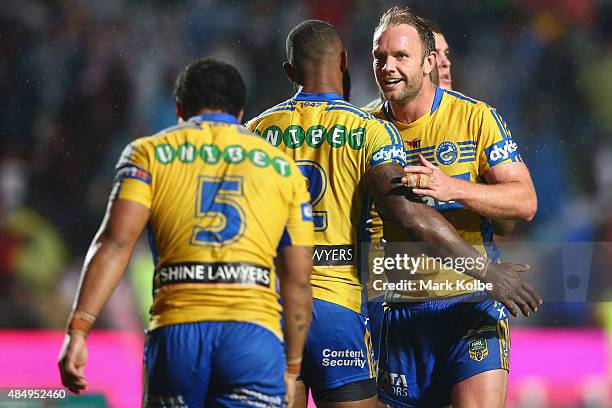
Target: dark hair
column 210, row 83
column 313, row 42
column 435, row 27
column 404, row 15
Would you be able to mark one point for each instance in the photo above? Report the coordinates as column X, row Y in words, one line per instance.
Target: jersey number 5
column 317, row 186
column 221, row 218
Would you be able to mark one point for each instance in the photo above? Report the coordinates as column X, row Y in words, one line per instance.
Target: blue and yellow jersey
column 334, row 144
column 373, row 106
column 220, row 200
column 465, row 138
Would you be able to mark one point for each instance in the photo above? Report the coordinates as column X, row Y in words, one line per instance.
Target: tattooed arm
column 294, row 269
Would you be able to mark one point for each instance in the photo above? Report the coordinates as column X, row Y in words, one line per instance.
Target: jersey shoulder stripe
column 360, row 112
column 395, row 136
column 461, row 96
column 180, row 126
column 346, row 109
column 288, row 105
column 373, row 105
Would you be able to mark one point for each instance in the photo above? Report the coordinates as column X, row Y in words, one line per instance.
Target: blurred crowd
column 80, row 79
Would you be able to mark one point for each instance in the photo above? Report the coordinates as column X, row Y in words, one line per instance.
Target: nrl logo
column 478, row 349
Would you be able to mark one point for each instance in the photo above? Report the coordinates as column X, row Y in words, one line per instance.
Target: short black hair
column 435, row 27
column 210, row 83
column 312, row 42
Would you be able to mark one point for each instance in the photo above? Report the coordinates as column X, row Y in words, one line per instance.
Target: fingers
column 534, row 296
column 425, row 162
column 507, row 303
column 510, row 306
column 522, row 268
column 418, row 169
column 518, row 300
column 423, row 191
column 72, row 377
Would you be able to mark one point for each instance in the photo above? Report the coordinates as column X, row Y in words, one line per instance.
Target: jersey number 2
column 221, row 218
column 317, row 186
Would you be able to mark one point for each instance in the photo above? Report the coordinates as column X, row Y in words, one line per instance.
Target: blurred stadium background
column 80, row 79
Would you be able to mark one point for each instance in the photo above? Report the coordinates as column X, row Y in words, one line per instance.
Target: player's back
column 220, row 200
column 334, row 144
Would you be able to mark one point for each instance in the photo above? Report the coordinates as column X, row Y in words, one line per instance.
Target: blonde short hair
column 397, row 15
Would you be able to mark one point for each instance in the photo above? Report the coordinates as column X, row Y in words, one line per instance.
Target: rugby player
column 342, row 150
column 219, row 203
column 441, row 75
column 444, row 344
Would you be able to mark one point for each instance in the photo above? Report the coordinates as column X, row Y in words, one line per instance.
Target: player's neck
column 417, row 107
column 322, row 83
column 206, row 111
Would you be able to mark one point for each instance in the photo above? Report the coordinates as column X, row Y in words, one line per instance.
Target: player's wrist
column 458, row 190
column 482, row 267
column 80, row 323
column 294, row 366
column 73, row 333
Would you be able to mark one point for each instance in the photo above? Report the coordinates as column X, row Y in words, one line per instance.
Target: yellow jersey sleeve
column 252, row 124
column 300, row 229
column 133, row 175
column 495, row 145
column 384, row 145
column 373, row 105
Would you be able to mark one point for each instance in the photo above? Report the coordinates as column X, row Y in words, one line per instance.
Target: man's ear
column 180, row 114
column 289, row 72
column 344, row 61
column 429, row 63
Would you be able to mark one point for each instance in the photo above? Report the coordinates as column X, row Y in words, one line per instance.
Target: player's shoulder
column 475, row 110
column 135, row 150
column 341, row 107
column 462, row 101
column 253, row 140
column 162, row 136
column 281, row 108
column 141, row 143
column 373, row 106
column 376, row 126
column 369, row 120
column 379, row 113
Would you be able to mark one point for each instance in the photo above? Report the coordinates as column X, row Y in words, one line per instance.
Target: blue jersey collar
column 317, row 97
column 215, row 117
column 437, row 100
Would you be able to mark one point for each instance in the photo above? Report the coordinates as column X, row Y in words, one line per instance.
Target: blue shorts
column 375, row 316
column 338, row 347
column 232, row 364
column 428, row 347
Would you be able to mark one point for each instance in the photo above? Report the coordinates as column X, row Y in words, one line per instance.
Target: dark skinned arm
column 421, row 223
column 294, row 266
column 294, row 269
